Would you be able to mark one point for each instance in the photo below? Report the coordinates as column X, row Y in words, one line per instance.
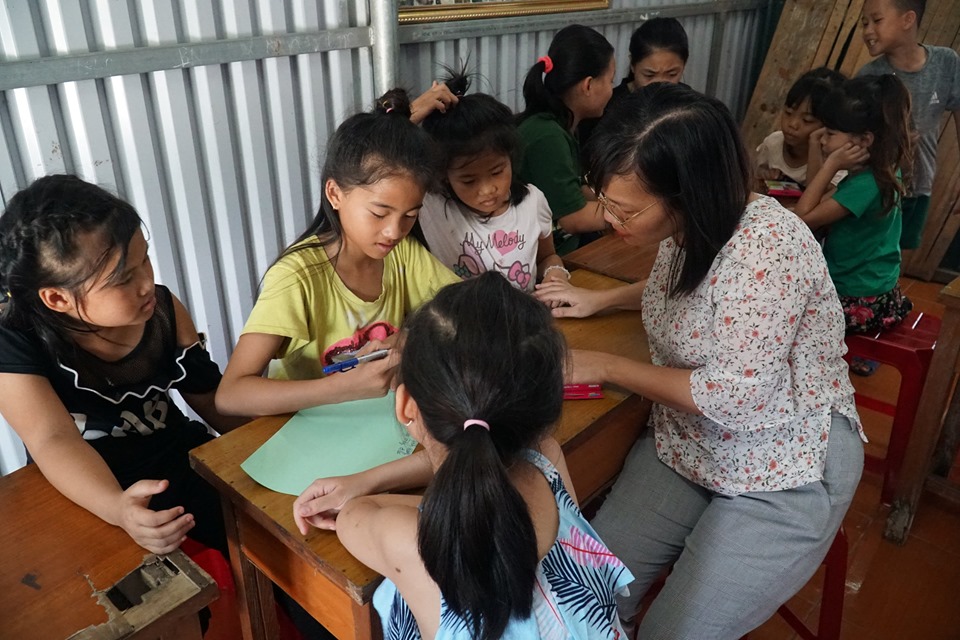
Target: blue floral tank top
column 574, row 597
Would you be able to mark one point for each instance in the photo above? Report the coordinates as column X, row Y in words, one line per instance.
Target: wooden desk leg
column 949, row 444
column 258, row 613
column 918, row 458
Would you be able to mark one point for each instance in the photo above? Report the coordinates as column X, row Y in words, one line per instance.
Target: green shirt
column 863, row 248
column 551, row 162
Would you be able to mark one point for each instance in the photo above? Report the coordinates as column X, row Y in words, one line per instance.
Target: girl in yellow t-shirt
column 345, row 285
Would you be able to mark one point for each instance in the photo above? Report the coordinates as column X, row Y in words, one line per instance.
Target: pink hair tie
column 547, row 64
column 470, row 423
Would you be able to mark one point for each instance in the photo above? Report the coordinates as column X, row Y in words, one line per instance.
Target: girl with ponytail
column 497, row 547
column 574, row 81
column 346, row 284
column 867, row 132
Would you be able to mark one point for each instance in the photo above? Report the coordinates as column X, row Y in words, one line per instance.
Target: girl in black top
column 90, row 347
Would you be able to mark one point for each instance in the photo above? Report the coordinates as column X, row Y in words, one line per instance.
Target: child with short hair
column 932, row 77
column 346, row 284
column 786, row 154
column 90, row 347
column 485, row 219
column 497, row 546
column 867, row 122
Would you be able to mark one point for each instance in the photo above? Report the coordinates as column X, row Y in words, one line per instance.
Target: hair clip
column 547, row 64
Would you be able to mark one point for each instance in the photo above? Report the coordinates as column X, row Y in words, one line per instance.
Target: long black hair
column 365, row 149
column 879, row 105
column 59, row 232
column 478, row 123
column 657, row 34
column 576, row 52
column 482, row 350
column 685, row 148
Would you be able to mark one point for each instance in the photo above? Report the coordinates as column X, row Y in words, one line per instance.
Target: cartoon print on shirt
column 471, row 263
column 377, row 331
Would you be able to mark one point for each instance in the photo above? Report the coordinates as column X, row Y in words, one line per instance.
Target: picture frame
column 418, row 11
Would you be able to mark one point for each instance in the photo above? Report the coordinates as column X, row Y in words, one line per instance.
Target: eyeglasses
column 622, row 218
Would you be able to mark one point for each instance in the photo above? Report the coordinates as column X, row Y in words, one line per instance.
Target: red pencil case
column 582, row 392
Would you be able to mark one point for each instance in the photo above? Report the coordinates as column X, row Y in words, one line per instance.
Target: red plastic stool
column 211, row 561
column 908, row 347
column 831, row 601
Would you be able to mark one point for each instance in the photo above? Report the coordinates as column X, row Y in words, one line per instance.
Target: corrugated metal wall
column 222, row 161
column 722, row 39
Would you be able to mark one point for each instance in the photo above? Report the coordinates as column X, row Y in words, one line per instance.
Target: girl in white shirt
column 483, row 218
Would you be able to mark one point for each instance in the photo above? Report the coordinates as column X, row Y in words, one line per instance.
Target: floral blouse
column 763, row 334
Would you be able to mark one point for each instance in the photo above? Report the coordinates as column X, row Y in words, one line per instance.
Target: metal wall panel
column 721, row 40
column 222, row 159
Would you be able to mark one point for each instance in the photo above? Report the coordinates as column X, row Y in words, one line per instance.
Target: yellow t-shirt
column 304, row 299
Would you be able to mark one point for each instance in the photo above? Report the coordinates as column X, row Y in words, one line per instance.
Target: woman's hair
column 879, row 105
column 657, row 34
column 685, row 148
column 815, row 84
column 365, row 149
column 576, row 52
column 478, row 123
column 482, row 350
column 59, row 232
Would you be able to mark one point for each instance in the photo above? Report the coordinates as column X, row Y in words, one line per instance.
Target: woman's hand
column 437, row 98
column 320, row 503
column 586, row 367
column 568, row 301
column 156, row 531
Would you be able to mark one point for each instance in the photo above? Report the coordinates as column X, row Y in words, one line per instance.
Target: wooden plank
column 790, row 53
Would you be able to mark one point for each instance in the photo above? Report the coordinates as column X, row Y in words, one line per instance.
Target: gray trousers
column 735, row 559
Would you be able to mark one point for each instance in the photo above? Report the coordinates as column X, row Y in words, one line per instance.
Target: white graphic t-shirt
column 471, row 245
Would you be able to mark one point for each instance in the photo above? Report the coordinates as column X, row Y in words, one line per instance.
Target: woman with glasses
column 755, row 447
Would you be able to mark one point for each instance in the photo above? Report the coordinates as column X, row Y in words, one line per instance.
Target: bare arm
column 814, row 207
column 244, row 390
column 202, row 403
column 587, row 218
column 579, row 302
column 664, row 385
column 320, row 503
column 35, row 412
column 550, row 448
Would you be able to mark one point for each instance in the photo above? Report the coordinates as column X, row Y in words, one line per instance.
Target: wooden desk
column 57, row 559
column 937, row 413
column 612, row 257
column 317, row 571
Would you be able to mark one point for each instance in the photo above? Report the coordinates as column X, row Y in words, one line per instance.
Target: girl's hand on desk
column 156, row 531
column 320, row 503
column 568, row 301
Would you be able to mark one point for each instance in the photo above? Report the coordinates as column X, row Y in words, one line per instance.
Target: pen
column 346, row 365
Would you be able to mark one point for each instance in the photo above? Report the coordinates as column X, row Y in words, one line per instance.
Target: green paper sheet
column 332, row 440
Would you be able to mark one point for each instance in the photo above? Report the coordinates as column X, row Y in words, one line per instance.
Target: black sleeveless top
column 128, row 398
